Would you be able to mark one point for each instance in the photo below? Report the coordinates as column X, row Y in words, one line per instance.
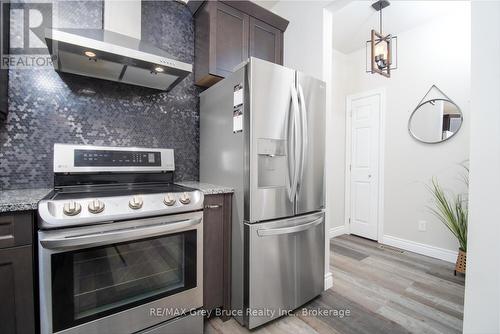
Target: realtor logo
column 23, row 27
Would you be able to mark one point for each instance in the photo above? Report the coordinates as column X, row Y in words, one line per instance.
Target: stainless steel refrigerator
column 262, row 132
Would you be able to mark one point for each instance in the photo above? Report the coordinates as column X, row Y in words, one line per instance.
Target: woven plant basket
column 461, row 262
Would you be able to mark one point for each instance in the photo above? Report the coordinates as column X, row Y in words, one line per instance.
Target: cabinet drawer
column 16, row 229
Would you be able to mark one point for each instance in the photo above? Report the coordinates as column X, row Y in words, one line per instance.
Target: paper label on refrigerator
column 238, row 120
column 238, row 96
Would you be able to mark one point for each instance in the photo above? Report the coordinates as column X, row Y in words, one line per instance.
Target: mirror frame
column 434, row 142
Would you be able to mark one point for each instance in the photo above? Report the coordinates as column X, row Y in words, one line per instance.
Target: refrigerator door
column 285, row 266
column 312, row 101
column 274, row 140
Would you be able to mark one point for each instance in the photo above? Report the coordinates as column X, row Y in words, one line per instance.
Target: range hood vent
column 111, row 56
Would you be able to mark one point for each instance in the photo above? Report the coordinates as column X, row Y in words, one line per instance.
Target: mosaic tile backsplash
column 46, row 107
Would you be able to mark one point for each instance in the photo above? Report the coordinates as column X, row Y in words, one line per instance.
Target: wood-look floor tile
column 443, row 293
column 346, row 251
column 440, row 305
column 412, row 274
column 360, row 320
column 386, row 291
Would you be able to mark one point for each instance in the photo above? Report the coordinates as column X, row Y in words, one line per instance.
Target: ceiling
column 353, row 22
column 268, row 4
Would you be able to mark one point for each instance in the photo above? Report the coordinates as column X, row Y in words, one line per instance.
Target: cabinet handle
column 213, row 206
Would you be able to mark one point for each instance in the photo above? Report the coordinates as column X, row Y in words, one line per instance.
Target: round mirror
column 435, row 121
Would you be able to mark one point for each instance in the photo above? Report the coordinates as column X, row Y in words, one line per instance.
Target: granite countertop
column 21, row 199
column 207, row 188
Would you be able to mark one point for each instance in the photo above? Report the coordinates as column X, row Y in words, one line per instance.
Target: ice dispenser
column 272, row 163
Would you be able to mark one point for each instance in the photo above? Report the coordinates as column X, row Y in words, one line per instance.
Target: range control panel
column 115, row 158
column 70, row 158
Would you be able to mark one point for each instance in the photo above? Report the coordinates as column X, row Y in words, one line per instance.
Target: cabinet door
column 16, row 291
column 4, row 73
column 4, row 89
column 231, row 39
column 213, row 252
column 266, row 42
column 217, row 252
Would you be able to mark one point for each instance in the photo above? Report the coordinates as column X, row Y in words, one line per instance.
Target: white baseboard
column 328, row 281
column 336, row 231
column 419, row 248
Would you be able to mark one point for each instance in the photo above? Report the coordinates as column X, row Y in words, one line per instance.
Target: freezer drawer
column 285, row 266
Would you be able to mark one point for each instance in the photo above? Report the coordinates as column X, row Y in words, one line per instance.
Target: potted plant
column 452, row 211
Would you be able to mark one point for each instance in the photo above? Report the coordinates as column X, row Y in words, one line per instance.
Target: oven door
column 120, row 277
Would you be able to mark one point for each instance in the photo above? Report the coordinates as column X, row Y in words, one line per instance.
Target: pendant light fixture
column 381, row 50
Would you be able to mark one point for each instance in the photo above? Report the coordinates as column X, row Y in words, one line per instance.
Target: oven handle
column 118, row 235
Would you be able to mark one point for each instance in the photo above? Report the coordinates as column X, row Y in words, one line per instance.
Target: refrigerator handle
column 303, row 126
column 287, row 230
column 292, row 138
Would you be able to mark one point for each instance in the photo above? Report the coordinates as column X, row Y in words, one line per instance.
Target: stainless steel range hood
column 112, row 56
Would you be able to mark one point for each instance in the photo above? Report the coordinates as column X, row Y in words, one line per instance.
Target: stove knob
column 72, row 208
column 96, row 206
column 135, row 203
column 185, row 198
column 169, row 200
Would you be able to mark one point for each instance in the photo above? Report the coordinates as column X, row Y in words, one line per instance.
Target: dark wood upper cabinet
column 266, row 42
column 230, row 37
column 229, row 32
column 4, row 50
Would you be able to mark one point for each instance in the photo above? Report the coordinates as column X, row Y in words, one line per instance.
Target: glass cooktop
column 92, row 191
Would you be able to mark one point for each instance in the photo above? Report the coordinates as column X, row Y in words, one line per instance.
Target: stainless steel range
column 120, row 245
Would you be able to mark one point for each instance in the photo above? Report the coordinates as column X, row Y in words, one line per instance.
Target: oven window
column 94, row 282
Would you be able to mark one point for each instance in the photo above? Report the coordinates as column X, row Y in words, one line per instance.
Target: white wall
column 435, row 53
column 303, row 40
column 482, row 285
column 342, row 86
column 123, row 17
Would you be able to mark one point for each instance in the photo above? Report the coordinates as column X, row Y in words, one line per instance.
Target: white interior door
column 364, row 112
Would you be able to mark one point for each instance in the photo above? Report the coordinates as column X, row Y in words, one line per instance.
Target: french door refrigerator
column 262, row 132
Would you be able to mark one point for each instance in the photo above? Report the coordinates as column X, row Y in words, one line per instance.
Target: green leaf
column 453, row 213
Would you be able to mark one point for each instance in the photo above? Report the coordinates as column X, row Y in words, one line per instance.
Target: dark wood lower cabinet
column 217, row 252
column 17, row 296
column 17, row 314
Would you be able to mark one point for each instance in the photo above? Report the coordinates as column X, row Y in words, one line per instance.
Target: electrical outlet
column 422, row 225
